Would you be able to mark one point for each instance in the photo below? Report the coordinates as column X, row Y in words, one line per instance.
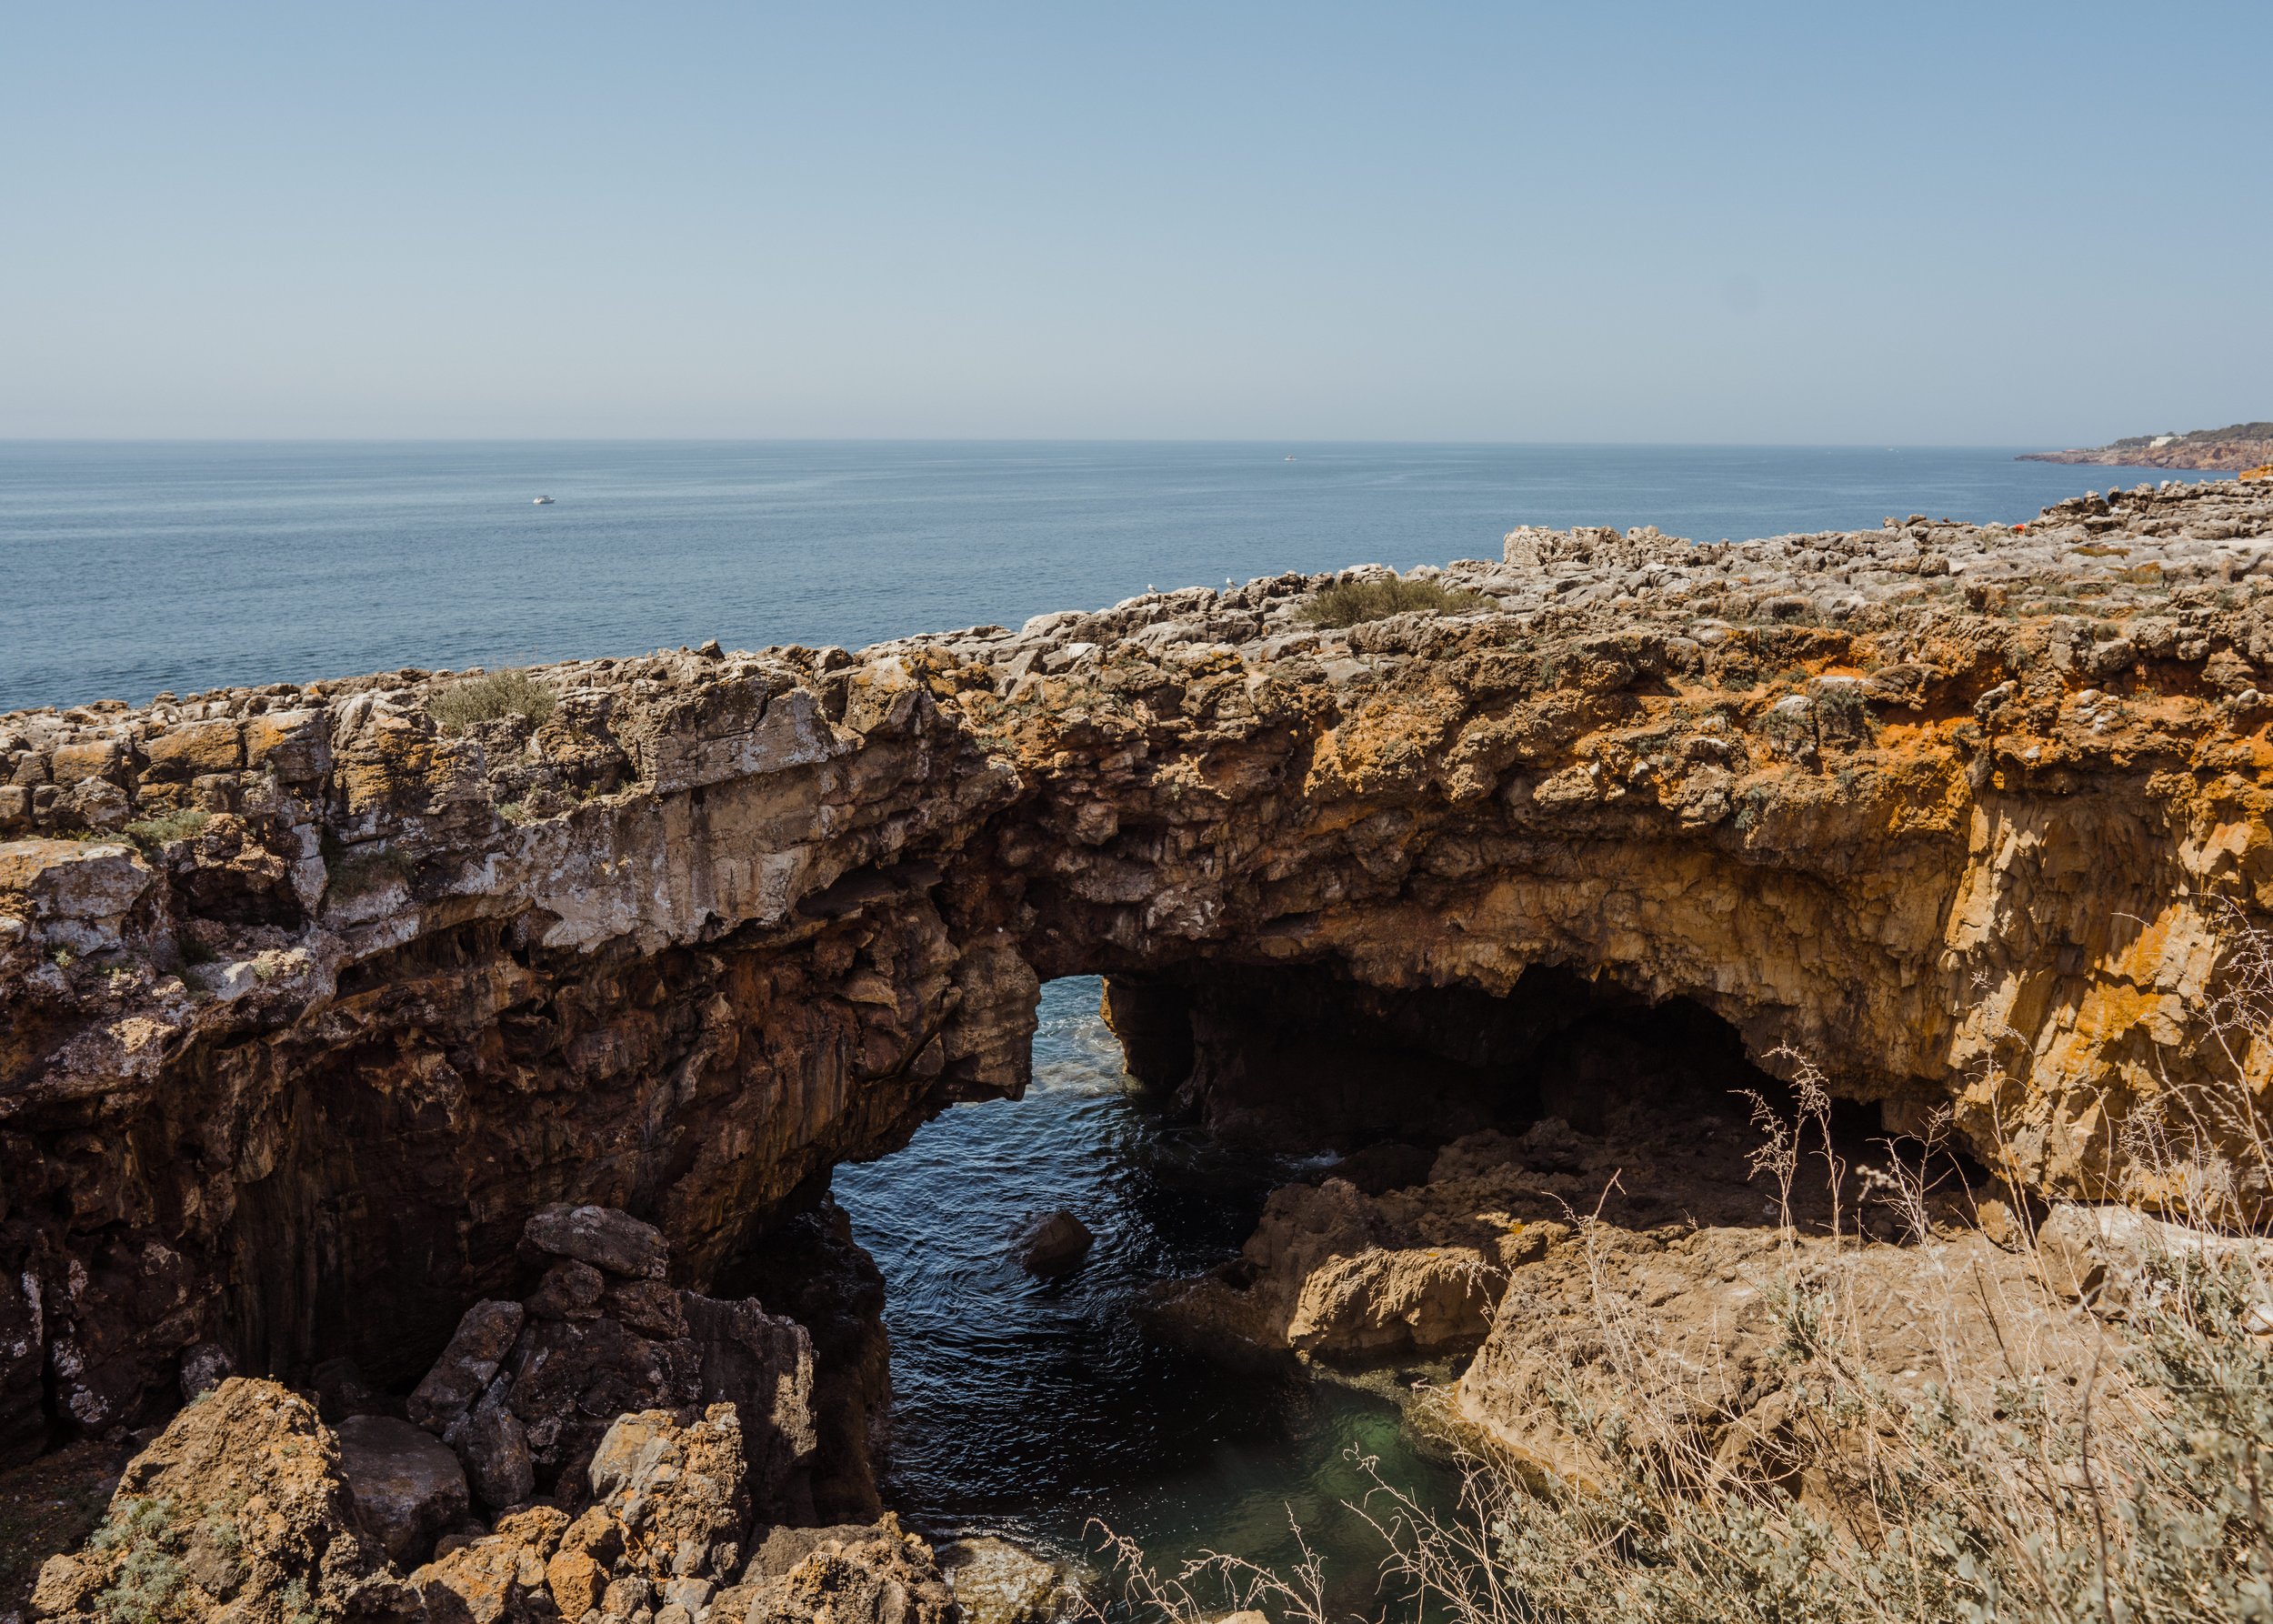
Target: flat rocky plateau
column 311, row 1007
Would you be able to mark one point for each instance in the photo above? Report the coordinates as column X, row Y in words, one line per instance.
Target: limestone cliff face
column 306, row 1005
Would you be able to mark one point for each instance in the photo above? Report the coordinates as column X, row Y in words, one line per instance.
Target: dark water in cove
column 1025, row 1407
column 126, row 569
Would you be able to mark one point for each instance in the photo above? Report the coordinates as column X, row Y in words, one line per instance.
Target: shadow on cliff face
column 1305, row 1060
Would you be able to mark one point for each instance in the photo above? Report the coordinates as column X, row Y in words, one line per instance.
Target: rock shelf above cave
column 308, row 1002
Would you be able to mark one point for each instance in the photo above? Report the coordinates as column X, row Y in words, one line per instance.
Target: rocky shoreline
column 604, row 1446
column 320, row 1005
column 2245, row 449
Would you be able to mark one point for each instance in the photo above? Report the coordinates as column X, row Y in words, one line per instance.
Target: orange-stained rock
column 189, row 749
column 239, row 1511
column 1974, row 816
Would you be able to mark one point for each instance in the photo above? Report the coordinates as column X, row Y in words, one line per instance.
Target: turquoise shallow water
column 1040, row 1409
column 125, row 569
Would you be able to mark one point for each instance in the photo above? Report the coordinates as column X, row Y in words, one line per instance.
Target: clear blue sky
column 1988, row 223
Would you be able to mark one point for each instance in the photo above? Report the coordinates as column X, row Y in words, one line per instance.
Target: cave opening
column 1306, row 1057
column 1165, row 1109
column 1037, row 1407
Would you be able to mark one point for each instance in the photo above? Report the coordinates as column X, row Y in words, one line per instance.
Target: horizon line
column 1008, row 440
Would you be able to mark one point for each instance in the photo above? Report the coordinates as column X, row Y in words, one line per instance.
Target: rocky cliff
column 311, row 996
column 2237, row 449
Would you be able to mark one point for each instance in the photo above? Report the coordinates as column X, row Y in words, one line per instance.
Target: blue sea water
column 1041, row 1410
column 128, row 569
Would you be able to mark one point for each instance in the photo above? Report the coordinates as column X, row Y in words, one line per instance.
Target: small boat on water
column 543, row 502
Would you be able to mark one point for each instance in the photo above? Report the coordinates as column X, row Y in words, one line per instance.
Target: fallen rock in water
column 995, row 1582
column 407, row 1486
column 1054, row 1245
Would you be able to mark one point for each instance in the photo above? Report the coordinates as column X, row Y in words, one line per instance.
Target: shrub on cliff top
column 1347, row 603
column 151, row 832
column 487, row 698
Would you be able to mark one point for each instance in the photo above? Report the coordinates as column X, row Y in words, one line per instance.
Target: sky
column 1987, row 224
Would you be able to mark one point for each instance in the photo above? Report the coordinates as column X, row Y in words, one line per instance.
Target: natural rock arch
column 309, row 1005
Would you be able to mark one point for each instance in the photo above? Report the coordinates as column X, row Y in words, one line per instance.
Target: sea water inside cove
column 130, row 569
column 1040, row 1410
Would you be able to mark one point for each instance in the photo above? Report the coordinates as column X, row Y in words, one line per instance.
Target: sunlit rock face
column 306, row 1004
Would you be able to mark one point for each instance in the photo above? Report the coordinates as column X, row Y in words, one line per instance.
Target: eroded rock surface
column 307, row 1005
column 239, row 1511
column 532, row 1396
column 248, row 1508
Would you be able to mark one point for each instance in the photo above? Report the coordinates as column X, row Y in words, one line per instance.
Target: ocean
column 129, row 570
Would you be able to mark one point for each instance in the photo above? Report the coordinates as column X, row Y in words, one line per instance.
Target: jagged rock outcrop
column 306, row 1005
column 239, row 1511
column 877, row 1575
column 525, row 1393
column 248, row 1508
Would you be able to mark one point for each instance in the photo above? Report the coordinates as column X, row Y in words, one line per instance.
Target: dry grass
column 488, row 699
column 2119, row 1470
column 1347, row 603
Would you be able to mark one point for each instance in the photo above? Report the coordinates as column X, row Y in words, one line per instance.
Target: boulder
column 600, row 1235
column 566, row 1380
column 205, row 1365
column 407, row 1487
column 239, row 1511
column 995, row 1582
column 648, row 1306
column 762, row 1364
column 524, row 1392
column 494, row 1580
column 674, row 1485
column 570, row 1290
column 2101, row 1255
column 873, row 1575
column 1054, row 1245
column 493, row 1448
column 484, row 1335
column 341, row 1391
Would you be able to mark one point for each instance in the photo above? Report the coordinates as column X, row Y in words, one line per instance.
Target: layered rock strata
column 308, row 1004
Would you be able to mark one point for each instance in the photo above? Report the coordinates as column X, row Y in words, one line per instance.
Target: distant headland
column 2243, row 446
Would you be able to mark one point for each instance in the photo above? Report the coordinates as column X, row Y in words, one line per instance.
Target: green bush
column 488, row 698
column 1347, row 603
column 146, row 1581
column 151, row 833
